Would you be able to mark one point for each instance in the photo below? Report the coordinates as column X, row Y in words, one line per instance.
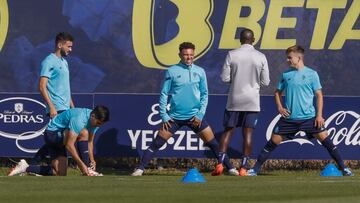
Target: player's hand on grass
column 93, row 165
column 84, row 169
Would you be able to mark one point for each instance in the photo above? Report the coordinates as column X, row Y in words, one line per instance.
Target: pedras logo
column 22, row 119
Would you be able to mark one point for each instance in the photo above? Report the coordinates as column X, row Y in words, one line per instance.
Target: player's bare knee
column 207, row 134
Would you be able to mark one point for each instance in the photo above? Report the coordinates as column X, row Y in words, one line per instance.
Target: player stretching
column 61, row 135
column 187, row 83
column 301, row 85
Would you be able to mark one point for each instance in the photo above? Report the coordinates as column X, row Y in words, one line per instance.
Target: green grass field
column 275, row 186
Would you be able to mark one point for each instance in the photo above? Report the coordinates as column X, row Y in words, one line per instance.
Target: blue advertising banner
column 135, row 120
column 124, row 46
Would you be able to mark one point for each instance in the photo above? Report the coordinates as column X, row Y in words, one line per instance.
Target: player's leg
column 82, row 146
column 40, row 155
column 248, row 126
column 230, row 122
column 223, row 157
column 59, row 166
column 206, row 134
column 157, row 143
column 55, row 148
column 333, row 151
column 265, row 153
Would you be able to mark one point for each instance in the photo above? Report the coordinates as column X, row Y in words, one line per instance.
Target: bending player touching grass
column 188, row 86
column 301, row 84
column 61, row 135
column 246, row 70
column 55, row 89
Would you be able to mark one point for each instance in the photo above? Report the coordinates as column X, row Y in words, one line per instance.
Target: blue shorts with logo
column 247, row 119
column 177, row 124
column 288, row 128
column 54, row 144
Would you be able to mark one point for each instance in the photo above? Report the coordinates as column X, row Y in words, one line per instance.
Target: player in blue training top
column 54, row 76
column 301, row 84
column 188, row 86
column 55, row 89
column 61, row 135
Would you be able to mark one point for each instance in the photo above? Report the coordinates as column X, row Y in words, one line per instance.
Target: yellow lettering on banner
column 192, row 20
column 345, row 31
column 325, row 8
column 274, row 21
column 4, row 22
column 233, row 21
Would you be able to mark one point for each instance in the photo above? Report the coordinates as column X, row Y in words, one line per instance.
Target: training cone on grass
column 193, row 176
column 331, row 170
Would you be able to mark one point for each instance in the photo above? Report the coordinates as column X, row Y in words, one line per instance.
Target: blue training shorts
column 54, row 144
column 247, row 119
column 288, row 128
column 177, row 124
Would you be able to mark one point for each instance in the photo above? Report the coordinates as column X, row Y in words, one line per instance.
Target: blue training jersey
column 57, row 70
column 74, row 119
column 189, row 93
column 300, row 86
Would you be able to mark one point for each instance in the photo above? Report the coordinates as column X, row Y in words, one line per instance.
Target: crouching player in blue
column 61, row 135
column 301, row 85
column 188, row 86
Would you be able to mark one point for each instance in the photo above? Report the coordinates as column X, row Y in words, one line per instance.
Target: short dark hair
column 63, row 36
column 186, row 45
column 246, row 36
column 296, row 49
column 101, row 113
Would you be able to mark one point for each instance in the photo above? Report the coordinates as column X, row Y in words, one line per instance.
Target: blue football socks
column 83, row 149
column 264, row 155
column 42, row 170
column 151, row 151
column 334, row 153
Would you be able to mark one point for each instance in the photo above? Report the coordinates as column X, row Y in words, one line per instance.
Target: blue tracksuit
column 189, row 93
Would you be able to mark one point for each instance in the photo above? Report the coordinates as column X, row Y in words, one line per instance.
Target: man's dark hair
column 63, row 36
column 101, row 113
column 247, row 36
column 186, row 45
column 296, row 49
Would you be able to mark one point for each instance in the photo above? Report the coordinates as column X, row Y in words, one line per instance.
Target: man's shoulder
column 49, row 59
column 246, row 50
column 197, row 67
column 310, row 70
column 288, row 71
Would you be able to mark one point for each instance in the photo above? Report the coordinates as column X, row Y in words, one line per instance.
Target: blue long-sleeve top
column 189, row 93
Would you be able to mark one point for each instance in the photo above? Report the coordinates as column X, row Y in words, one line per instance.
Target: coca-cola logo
column 342, row 127
column 22, row 119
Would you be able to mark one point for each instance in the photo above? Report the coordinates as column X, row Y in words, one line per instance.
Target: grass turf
column 275, row 186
